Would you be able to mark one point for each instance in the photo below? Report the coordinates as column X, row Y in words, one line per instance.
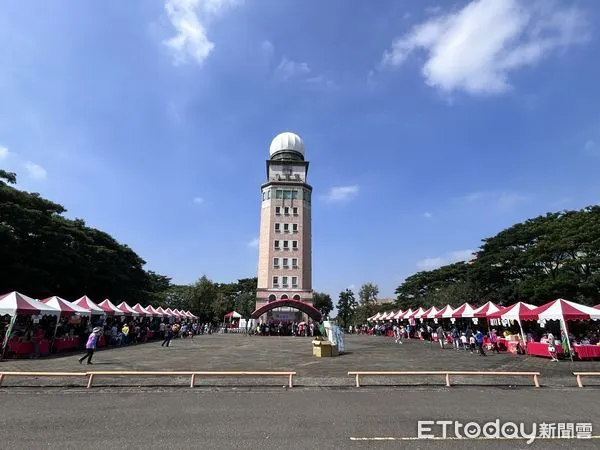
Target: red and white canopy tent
column 375, row 317
column 562, row 310
column 144, row 312
column 430, row 313
column 413, row 315
column 14, row 304
column 164, row 312
column 444, row 313
column 154, row 311
column 110, row 309
column 409, row 312
column 170, row 312
column 127, row 310
column 398, row 315
column 386, row 315
column 420, row 313
column 485, row 310
column 514, row 312
column 233, row 315
column 464, row 311
column 87, row 304
column 597, row 306
column 66, row 307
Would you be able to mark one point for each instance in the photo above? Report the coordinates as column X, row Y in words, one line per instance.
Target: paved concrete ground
column 278, row 419
column 324, row 411
column 241, row 352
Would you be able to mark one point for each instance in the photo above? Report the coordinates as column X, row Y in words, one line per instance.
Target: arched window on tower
column 297, row 297
column 284, row 297
column 272, row 298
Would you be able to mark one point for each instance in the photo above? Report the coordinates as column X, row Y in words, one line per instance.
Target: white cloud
column 476, row 48
column 198, row 200
column 500, row 200
column 189, row 19
column 449, row 258
column 293, row 70
column 3, row 152
column 341, row 193
column 288, row 69
column 427, row 215
column 253, row 243
column 35, row 171
column 587, row 147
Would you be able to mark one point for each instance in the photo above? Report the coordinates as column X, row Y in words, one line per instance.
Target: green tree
column 44, row 253
column 203, row 294
column 322, row 302
column 536, row 261
column 346, row 308
column 368, row 299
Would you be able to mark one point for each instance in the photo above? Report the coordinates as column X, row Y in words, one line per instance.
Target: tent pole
column 522, row 333
column 7, row 335
column 566, row 331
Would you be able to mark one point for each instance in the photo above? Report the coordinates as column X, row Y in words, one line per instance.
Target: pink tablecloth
column 540, row 349
column 587, row 351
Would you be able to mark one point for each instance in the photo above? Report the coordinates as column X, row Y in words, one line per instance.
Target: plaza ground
column 324, row 411
column 223, row 352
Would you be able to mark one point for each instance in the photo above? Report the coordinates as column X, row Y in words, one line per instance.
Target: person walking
column 455, row 337
column 90, row 345
column 168, row 336
column 494, row 341
column 479, row 339
column 441, row 336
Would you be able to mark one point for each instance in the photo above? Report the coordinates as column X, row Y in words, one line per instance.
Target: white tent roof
column 86, row 303
column 66, row 306
column 15, row 303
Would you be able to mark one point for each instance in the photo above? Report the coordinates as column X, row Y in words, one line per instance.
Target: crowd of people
column 45, row 335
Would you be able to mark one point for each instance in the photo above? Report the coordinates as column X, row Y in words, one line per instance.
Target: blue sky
column 428, row 128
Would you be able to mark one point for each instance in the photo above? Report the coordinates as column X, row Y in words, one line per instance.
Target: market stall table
column 587, row 351
column 541, row 349
column 66, row 343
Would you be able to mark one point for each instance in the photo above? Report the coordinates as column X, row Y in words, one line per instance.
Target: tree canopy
column 548, row 257
column 44, row 253
column 322, row 302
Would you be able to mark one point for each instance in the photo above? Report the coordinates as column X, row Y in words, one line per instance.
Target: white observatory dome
column 287, row 141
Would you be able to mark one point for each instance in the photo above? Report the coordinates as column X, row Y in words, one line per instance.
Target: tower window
column 286, row 227
column 294, row 194
column 276, row 263
column 295, row 227
column 287, row 195
column 278, row 193
column 277, row 226
column 277, row 245
column 277, row 210
column 285, row 245
column 294, row 282
column 294, row 263
column 295, row 211
column 284, row 281
column 275, row 281
column 294, row 245
column 285, row 263
column 286, row 211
